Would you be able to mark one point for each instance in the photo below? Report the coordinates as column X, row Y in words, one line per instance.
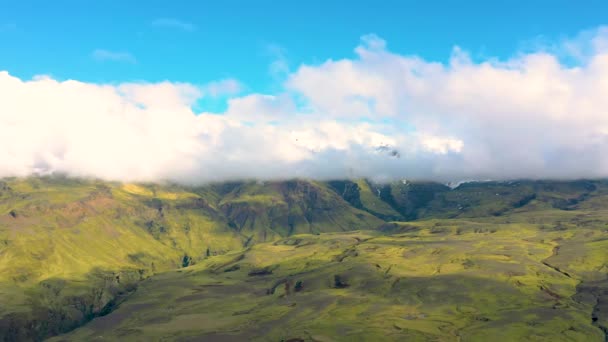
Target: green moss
column 513, row 265
column 418, row 286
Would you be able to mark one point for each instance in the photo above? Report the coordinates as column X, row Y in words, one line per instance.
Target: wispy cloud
column 280, row 64
column 114, row 56
column 223, row 87
column 173, row 23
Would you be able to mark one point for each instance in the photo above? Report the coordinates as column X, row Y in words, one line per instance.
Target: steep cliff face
column 365, row 196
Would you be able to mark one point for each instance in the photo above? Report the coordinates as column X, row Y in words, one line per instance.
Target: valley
column 303, row 260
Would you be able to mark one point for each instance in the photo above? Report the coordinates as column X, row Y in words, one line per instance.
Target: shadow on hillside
column 58, row 305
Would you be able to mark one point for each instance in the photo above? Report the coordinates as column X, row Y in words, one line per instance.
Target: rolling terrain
column 302, row 260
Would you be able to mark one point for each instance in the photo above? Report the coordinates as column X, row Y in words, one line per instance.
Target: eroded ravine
column 595, row 294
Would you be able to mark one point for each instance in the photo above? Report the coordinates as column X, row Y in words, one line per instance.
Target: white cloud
column 530, row 116
column 173, row 23
column 114, row 56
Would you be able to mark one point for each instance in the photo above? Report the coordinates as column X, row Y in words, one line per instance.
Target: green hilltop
column 303, row 260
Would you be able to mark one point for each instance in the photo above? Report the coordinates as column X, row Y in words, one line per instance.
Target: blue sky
column 202, row 91
column 201, row 41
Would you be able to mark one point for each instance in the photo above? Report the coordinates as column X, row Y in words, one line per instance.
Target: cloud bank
column 530, row 116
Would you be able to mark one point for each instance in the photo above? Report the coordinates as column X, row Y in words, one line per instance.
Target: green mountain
column 302, row 260
column 70, row 248
column 274, row 209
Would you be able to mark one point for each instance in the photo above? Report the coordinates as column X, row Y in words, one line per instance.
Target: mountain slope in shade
column 361, row 194
column 423, row 200
column 268, row 210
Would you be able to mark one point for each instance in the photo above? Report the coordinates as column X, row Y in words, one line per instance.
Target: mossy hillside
column 275, row 209
column 437, row 280
column 68, row 237
column 57, row 235
column 416, row 200
column 359, row 194
column 64, row 242
column 372, row 202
